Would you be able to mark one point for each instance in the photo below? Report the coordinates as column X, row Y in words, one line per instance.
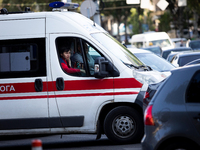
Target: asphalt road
column 69, row 142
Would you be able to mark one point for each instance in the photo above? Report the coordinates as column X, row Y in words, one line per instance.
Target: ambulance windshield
column 117, row 49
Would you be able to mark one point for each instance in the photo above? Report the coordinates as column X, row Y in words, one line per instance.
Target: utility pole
column 97, row 15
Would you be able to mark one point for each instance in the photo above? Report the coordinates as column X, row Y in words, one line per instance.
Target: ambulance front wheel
column 124, row 125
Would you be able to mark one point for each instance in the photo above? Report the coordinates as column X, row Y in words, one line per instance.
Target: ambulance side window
column 22, row 58
column 82, row 56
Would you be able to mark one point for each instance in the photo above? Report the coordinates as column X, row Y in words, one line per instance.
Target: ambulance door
column 23, row 85
column 79, row 95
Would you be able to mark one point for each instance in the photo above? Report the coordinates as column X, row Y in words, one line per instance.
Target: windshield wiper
column 131, row 65
column 146, row 68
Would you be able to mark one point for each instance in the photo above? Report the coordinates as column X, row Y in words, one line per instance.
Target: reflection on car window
column 161, row 43
column 155, row 62
column 192, row 94
column 117, row 49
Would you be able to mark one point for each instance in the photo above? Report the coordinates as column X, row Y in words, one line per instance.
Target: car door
column 78, row 95
column 193, row 101
column 23, row 85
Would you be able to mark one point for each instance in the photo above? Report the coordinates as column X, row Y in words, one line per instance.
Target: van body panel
column 71, row 23
column 23, row 28
column 20, row 101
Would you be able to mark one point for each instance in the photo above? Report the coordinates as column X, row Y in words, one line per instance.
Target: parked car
column 155, row 49
column 171, row 55
column 179, row 42
column 150, row 59
column 183, row 58
column 147, row 39
column 177, row 49
column 172, row 116
column 194, row 44
column 159, row 64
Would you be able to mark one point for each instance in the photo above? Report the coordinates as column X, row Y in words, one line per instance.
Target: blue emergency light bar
column 64, row 5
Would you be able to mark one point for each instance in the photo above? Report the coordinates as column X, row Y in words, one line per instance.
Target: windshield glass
column 161, row 43
column 154, row 61
column 117, row 49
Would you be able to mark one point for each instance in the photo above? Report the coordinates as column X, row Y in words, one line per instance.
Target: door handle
column 38, row 85
column 60, row 84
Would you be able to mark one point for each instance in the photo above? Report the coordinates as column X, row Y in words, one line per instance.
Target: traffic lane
column 61, row 142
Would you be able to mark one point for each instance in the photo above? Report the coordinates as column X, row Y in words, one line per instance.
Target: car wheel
column 124, row 125
column 180, row 146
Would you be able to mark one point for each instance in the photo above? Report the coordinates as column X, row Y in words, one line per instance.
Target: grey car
column 172, row 118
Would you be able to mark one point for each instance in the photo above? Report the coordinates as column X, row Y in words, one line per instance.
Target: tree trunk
column 195, row 33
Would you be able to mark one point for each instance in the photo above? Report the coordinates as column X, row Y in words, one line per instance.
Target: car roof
column 178, row 39
column 178, row 48
column 188, row 53
column 191, row 41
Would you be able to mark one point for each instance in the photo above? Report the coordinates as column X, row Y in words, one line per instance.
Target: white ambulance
column 37, row 96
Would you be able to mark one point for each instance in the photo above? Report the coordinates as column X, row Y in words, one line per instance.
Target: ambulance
column 37, row 96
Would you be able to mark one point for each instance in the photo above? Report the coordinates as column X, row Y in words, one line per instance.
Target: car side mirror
column 104, row 68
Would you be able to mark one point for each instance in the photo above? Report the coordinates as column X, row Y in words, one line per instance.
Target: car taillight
column 148, row 118
column 146, row 95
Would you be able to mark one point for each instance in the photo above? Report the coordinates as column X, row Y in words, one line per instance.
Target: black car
column 194, row 44
column 165, row 53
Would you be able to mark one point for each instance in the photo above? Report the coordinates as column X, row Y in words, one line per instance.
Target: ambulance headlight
column 144, row 77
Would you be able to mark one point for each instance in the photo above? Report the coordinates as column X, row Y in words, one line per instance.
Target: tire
column 180, row 146
column 124, row 125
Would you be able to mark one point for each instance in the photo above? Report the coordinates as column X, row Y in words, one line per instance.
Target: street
column 72, row 142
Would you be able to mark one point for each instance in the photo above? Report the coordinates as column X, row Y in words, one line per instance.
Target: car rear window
column 187, row 59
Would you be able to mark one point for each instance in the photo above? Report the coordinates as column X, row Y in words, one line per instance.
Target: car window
column 187, row 59
column 138, row 44
column 156, row 50
column 195, row 45
column 22, row 58
column 81, row 56
column 117, row 49
column 161, row 43
column 192, row 94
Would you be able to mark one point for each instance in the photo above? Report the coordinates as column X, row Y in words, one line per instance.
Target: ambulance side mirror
column 103, row 68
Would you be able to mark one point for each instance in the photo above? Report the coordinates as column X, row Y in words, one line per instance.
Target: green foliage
column 165, row 20
column 19, row 5
column 135, row 20
column 194, row 5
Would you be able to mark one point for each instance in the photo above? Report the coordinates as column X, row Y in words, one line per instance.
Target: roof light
column 62, row 5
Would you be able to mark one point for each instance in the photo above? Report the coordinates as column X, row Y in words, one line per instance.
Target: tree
column 120, row 12
column 181, row 15
column 165, row 20
column 138, row 17
column 19, row 5
column 135, row 20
